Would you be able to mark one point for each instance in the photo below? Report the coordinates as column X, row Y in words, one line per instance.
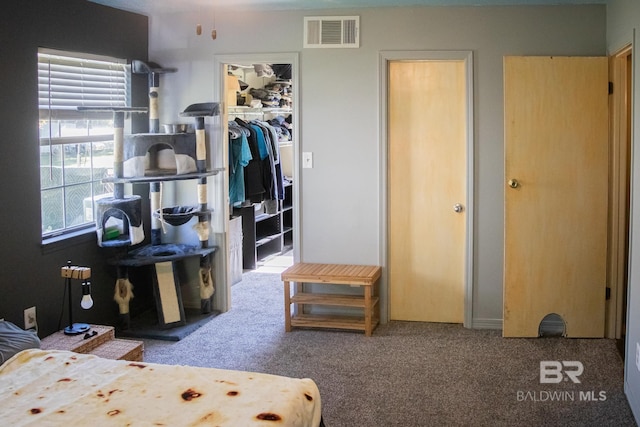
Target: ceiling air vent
column 332, row 31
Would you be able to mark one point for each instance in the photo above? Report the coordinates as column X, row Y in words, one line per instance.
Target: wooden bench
column 365, row 276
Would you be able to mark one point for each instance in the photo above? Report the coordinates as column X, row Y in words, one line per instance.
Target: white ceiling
column 150, row 7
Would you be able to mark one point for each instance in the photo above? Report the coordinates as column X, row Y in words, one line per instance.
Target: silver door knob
column 513, row 183
column 458, row 208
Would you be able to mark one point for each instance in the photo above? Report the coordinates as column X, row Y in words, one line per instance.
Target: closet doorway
column 259, row 94
column 429, row 200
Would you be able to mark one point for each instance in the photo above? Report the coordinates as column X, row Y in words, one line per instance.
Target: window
column 76, row 147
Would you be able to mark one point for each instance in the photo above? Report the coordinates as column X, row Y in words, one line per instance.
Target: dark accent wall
column 30, row 273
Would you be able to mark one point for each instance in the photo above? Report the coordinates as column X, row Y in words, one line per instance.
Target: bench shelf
column 328, row 322
column 362, row 276
column 331, row 299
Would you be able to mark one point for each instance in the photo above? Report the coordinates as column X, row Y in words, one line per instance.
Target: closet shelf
column 266, row 234
column 258, row 110
column 264, row 216
column 266, row 239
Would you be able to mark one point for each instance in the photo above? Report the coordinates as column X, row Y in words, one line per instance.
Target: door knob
column 458, row 208
column 513, row 183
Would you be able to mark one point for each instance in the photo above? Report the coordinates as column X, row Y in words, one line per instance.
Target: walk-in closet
column 259, row 100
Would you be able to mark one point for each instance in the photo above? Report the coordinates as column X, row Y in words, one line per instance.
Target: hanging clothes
column 253, row 174
column 273, row 148
column 258, row 159
column 239, row 158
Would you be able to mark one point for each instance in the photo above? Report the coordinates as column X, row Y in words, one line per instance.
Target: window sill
column 66, row 240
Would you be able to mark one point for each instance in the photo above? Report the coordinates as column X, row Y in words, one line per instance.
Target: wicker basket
column 103, row 344
column 120, row 349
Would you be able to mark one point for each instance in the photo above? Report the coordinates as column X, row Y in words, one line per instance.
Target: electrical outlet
column 30, row 317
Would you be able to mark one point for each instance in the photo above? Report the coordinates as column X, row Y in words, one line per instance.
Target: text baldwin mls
column 561, row 396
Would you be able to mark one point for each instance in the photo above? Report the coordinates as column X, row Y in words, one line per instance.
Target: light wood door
column 620, row 74
column 556, row 216
column 426, row 179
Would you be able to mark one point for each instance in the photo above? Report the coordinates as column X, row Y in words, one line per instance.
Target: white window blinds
column 67, row 82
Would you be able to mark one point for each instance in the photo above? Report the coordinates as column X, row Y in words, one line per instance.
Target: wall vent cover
column 331, row 31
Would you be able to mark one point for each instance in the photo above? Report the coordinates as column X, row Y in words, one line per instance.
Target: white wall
column 623, row 16
column 340, row 201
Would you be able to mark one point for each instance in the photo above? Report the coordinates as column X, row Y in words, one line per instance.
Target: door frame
column 219, row 62
column 620, row 116
column 384, row 58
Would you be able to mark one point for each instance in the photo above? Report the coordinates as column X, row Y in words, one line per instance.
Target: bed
column 51, row 388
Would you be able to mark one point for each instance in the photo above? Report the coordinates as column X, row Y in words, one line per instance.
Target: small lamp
column 73, row 272
column 87, row 301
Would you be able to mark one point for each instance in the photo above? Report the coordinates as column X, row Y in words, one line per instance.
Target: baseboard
column 486, row 324
column 497, row 324
column 553, row 325
column 634, row 403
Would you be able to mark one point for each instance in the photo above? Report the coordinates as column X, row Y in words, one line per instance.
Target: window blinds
column 67, row 82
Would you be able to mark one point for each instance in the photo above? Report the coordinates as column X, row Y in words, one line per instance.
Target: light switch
column 307, row 159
